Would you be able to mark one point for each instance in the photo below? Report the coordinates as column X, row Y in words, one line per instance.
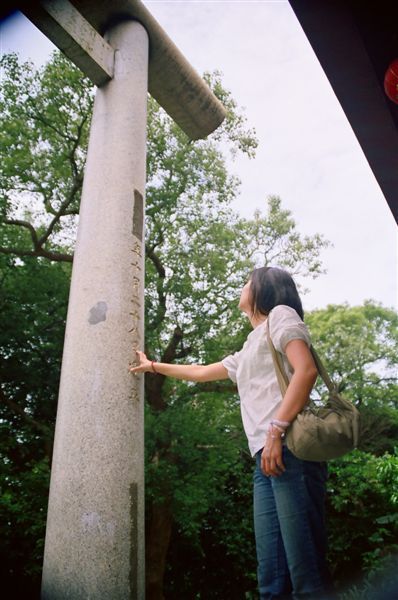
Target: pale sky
column 307, row 155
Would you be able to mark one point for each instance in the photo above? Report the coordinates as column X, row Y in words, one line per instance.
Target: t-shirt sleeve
column 286, row 325
column 231, row 363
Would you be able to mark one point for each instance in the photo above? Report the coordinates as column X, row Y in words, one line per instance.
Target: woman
column 288, row 492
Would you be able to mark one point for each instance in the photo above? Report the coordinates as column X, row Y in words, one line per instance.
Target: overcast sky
column 308, row 154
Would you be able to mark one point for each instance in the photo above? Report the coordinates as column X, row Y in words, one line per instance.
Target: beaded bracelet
column 153, row 368
column 282, row 424
column 271, row 428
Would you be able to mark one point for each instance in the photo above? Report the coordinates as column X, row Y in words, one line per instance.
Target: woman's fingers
column 271, row 458
column 141, row 356
column 142, row 363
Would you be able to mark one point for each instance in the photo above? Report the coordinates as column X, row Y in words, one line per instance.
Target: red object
column 391, row 81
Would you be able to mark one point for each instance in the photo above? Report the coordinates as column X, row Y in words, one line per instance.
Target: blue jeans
column 290, row 531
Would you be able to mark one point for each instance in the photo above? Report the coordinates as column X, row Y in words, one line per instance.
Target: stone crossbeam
column 172, row 81
column 63, row 24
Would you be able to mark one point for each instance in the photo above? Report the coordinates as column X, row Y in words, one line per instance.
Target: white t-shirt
column 253, row 371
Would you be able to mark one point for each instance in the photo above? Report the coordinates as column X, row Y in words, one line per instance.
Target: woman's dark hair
column 271, row 286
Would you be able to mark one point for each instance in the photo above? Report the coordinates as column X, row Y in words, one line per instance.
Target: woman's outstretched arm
column 200, row 373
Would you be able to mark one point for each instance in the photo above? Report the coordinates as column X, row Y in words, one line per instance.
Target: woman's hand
column 144, row 365
column 271, row 456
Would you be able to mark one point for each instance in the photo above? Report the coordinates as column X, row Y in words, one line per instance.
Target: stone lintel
column 64, row 25
column 173, row 82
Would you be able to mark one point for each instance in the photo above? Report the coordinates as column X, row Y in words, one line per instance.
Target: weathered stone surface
column 62, row 23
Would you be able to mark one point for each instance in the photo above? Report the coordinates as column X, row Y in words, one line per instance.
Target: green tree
column 360, row 348
column 33, row 303
column 44, row 135
column 45, row 119
column 362, row 514
column 359, row 345
column 199, row 252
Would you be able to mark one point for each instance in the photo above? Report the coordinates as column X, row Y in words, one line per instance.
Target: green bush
column 362, row 506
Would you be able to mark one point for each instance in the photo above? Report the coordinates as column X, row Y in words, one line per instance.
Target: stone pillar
column 94, row 544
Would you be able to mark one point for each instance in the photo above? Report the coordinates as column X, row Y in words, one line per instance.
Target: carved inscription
column 136, row 283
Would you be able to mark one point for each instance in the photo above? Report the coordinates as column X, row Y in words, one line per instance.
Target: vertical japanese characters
column 136, row 308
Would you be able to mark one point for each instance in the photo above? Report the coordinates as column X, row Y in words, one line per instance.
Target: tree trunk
column 160, row 514
column 158, row 539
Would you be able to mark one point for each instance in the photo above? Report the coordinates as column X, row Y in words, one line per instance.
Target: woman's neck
column 257, row 319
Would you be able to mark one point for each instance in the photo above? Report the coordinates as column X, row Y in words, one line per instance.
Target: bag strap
column 281, row 375
column 322, row 371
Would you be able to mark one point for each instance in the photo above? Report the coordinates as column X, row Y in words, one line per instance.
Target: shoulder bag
column 319, row 433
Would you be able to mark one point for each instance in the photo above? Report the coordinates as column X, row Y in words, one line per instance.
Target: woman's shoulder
column 283, row 312
column 286, row 325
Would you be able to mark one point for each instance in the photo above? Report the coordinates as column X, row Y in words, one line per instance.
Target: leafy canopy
column 199, row 252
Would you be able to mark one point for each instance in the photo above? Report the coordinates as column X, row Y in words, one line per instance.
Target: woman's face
column 245, row 297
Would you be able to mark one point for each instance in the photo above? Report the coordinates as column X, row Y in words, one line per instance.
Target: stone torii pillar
column 94, row 545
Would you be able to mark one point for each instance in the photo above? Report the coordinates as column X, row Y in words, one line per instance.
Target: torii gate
column 94, row 544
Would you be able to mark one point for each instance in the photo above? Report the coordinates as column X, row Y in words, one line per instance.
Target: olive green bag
column 323, row 432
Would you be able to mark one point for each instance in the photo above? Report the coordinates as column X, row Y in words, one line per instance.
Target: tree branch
column 62, row 210
column 76, row 143
column 39, row 117
column 39, row 242
column 171, row 350
column 38, row 249
column 154, row 383
column 161, row 310
column 156, row 261
column 28, row 226
column 184, row 352
column 55, row 256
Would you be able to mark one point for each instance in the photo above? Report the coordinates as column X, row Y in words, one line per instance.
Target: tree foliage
column 360, row 344
column 44, row 134
column 33, row 303
column 199, row 252
column 363, row 515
